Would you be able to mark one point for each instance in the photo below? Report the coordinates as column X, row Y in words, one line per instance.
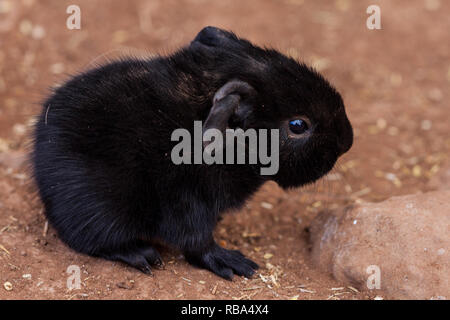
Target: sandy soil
column 394, row 81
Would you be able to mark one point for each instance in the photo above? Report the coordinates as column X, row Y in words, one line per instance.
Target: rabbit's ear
column 227, row 101
column 236, row 87
column 215, row 37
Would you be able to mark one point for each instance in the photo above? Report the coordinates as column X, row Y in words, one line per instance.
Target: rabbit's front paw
column 225, row 263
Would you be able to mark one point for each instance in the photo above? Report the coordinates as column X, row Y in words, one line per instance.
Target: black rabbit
column 102, row 151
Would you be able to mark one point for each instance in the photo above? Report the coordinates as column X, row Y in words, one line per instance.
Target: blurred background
column 394, row 81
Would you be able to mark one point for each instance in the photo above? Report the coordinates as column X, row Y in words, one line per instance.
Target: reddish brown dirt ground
column 394, row 82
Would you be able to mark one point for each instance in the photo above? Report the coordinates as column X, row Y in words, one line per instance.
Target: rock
column 441, row 180
column 406, row 239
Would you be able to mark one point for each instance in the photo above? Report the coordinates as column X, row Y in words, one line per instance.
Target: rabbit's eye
column 298, row 126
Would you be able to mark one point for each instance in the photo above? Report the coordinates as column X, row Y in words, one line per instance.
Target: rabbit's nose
column 345, row 143
column 345, row 137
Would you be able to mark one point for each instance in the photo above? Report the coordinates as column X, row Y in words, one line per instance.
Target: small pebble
column 417, row 171
column 381, row 123
column 25, row 27
column 425, row 125
column 37, row 32
column 57, row 68
column 266, row 205
column 19, row 129
column 268, row 256
column 8, row 286
column 317, row 204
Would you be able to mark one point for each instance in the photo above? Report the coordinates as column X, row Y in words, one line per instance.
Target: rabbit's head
column 277, row 92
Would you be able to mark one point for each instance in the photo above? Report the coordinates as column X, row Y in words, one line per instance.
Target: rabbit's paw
column 142, row 258
column 225, row 263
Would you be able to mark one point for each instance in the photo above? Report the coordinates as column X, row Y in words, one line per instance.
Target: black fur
column 102, row 149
